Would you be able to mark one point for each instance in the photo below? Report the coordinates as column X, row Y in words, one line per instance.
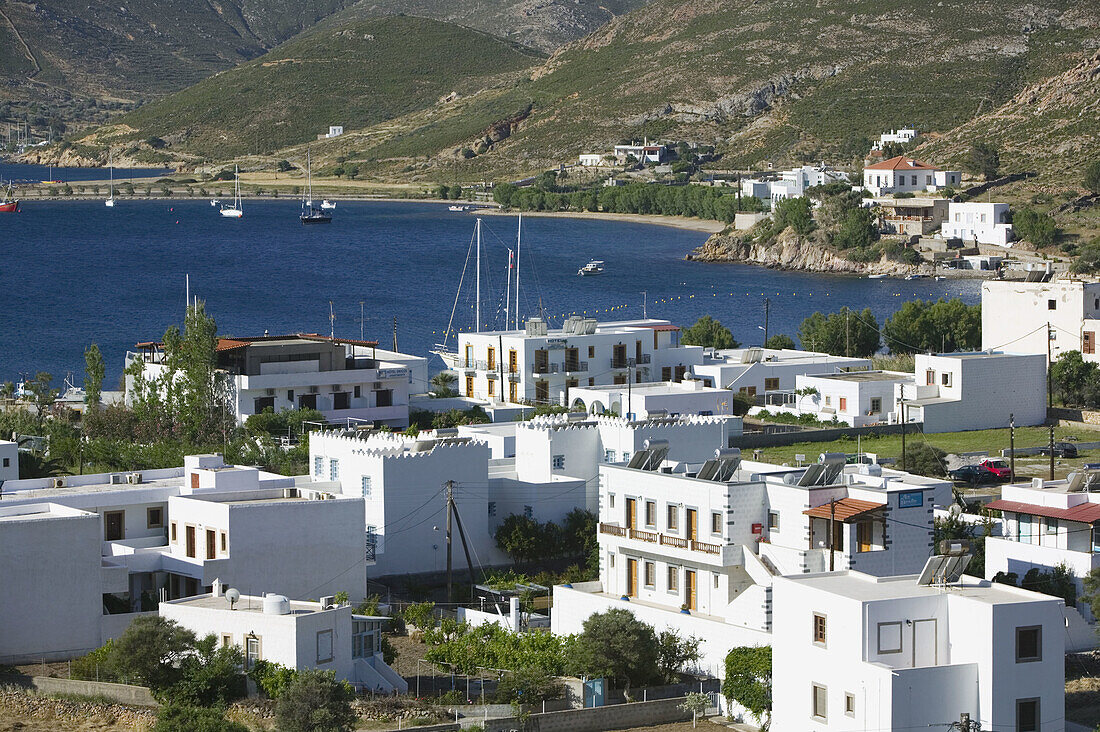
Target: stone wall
column 615, row 716
column 123, row 693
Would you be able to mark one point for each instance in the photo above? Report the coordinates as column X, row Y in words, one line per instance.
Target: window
column 1088, row 344
column 341, row 400
column 672, row 518
column 716, row 577
column 253, row 650
column 650, row 513
column 491, row 358
column 828, row 400
column 889, row 637
column 290, row 395
column 528, row 512
column 819, row 702
column 1029, row 644
column 945, row 379
column 227, row 640
column 259, row 404
column 383, row 398
column 173, row 531
column 843, row 404
column 324, row 646
column 850, row 704
column 609, row 456
column 492, row 387
column 819, row 629
column 611, row 499
column 673, row 579
column 7, row 462
column 611, row 559
column 362, row 639
column 366, row 486
column 225, row 542
column 1052, row 304
column 876, row 405
column 650, row 574
column 334, row 469
column 1096, row 537
column 318, row 466
column 358, row 391
column 771, row 384
column 591, row 351
column 773, row 520
column 715, row 522
column 930, row 378
column 558, row 462
column 154, row 517
column 1027, row 715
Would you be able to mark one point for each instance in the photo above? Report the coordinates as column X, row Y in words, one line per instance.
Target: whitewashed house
column 1019, row 313
column 791, row 183
column 903, row 174
column 695, row 547
column 335, row 130
column 979, row 222
column 644, row 153
column 903, row 136
column 341, row 378
column 294, row 633
column 851, row 651
column 855, row 398
column 539, row 365
column 754, row 371
column 117, row 541
column 9, row 461
column 590, row 160
column 661, row 398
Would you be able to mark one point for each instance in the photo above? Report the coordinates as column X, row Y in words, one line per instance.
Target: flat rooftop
column 865, row 376
column 11, row 491
column 733, row 356
column 859, row 586
column 247, row 604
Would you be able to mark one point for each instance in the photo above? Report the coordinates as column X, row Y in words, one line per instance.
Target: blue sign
column 911, row 499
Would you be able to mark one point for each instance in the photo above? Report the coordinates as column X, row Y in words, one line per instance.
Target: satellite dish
column 232, row 595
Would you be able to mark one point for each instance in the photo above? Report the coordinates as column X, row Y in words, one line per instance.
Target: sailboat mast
column 519, row 243
column 508, row 292
column 477, row 307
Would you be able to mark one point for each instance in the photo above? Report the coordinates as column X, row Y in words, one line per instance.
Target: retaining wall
column 827, row 434
column 123, row 693
column 615, row 716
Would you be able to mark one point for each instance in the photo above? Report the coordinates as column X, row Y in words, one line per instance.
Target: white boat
column 110, row 202
column 312, row 214
column 876, row 276
column 456, row 209
column 594, row 267
column 235, row 211
column 328, row 204
column 916, row 277
column 214, row 202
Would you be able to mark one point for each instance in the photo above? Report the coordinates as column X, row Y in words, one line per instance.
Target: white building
column 539, row 365
column 689, row 396
column 905, row 175
column 903, row 136
column 293, row 633
column 335, row 130
column 644, row 153
column 590, row 160
column 340, row 378
column 753, row 371
column 791, row 183
column 696, row 549
column 1018, row 314
column 855, row 652
column 857, row 398
column 132, row 536
column 976, row 221
column 9, row 461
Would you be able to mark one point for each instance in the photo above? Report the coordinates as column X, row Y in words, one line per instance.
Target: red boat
column 9, row 206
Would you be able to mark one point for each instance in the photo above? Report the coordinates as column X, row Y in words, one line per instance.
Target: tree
column 210, row 675
column 150, row 651
column 43, row 395
column 503, row 192
column 749, row 679
column 674, row 652
column 578, row 533
column 1092, row 178
column 953, row 526
column 529, row 685
column 779, row 341
column 924, row 459
column 616, row 645
column 284, row 166
column 443, row 384
column 174, row 717
column 315, row 702
column 943, row 326
column 1076, row 380
column 856, row 230
column 1035, row 227
column 94, row 369
column 984, row 159
column 843, row 333
column 796, row 214
column 1092, row 591
column 454, row 193
column 520, row 537
column 37, row 465
column 709, row 333
column 696, row 703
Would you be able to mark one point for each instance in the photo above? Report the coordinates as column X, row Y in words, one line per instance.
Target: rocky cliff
column 792, row 252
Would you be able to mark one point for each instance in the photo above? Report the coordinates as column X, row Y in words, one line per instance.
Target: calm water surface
column 39, row 173
column 75, row 272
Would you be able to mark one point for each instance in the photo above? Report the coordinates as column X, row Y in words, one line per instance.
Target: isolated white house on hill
column 903, row 174
column 977, row 221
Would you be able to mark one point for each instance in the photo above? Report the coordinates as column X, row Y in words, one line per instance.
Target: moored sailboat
column 312, row 214
column 234, row 211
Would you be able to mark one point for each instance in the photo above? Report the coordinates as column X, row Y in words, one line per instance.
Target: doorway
column 632, row 578
column 692, row 525
column 924, row 643
column 211, row 543
column 631, row 514
column 114, row 525
column 690, row 589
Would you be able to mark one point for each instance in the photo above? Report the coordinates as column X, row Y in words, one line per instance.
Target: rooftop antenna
column 331, row 322
column 361, row 321
column 395, row 334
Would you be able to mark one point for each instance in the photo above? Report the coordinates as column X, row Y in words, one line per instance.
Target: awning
column 1084, row 513
column 844, row 510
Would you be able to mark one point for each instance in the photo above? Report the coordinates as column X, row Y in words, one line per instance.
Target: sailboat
column 235, row 211
column 312, row 214
column 9, row 203
column 110, row 202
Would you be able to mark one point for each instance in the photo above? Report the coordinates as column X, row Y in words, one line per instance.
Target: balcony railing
column 612, row 529
column 644, row 358
column 623, row 363
column 649, row 536
column 701, row 546
column 654, row 537
column 546, row 368
column 674, row 541
column 571, row 366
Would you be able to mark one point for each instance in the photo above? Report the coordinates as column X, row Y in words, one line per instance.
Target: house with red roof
column 903, row 174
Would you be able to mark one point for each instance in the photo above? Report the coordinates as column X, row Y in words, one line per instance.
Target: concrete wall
column 9, row 461
column 1017, row 313
column 124, row 693
column 794, row 437
column 616, row 716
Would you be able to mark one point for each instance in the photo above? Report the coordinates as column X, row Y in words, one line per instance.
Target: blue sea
column 76, row 272
column 38, row 173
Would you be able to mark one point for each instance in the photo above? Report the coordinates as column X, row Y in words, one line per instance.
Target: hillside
column 139, row 48
column 353, row 73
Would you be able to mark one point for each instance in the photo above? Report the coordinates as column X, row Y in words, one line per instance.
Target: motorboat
column 327, row 204
column 594, row 267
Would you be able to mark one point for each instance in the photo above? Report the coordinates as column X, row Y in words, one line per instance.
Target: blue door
column 594, row 693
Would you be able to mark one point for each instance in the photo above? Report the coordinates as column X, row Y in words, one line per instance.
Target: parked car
column 998, row 466
column 1062, row 450
column 972, row 475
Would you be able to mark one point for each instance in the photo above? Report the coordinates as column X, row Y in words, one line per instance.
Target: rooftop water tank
column 276, row 605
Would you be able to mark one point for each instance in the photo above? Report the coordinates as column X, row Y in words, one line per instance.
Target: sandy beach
column 679, row 222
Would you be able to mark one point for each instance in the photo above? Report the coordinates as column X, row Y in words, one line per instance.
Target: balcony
column 546, row 368
column 623, row 363
column 666, row 540
column 644, row 358
column 575, row 366
column 612, row 529
column 473, row 365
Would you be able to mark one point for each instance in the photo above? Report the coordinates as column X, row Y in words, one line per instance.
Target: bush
column 1035, row 227
column 528, row 686
column 150, row 651
column 93, row 666
column 421, row 614
column 315, row 701
column 182, row 718
column 749, row 679
column 924, row 459
column 1092, row 177
column 272, row 677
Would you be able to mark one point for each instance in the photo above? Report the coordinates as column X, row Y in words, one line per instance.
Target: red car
column 997, row 466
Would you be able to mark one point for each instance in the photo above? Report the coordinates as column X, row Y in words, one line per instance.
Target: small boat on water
column 876, row 276
column 594, row 267
column 110, row 202
column 327, row 204
column 916, row 277
column 940, row 278
column 312, row 214
column 235, row 211
column 214, row 202
column 9, row 203
column 458, row 209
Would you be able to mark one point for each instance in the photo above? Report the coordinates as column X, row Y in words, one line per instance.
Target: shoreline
column 705, row 226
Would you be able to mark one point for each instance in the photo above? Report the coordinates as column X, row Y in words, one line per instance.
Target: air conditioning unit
column 334, row 388
column 117, row 479
column 133, row 478
column 270, row 392
column 313, row 390
column 376, row 385
column 58, row 482
column 328, row 602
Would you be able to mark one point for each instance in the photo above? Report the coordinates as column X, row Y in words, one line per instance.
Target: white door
column 924, row 643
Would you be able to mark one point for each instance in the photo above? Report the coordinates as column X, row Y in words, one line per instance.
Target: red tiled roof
column 844, row 510
column 1084, row 513
column 901, row 162
column 665, row 327
column 230, row 344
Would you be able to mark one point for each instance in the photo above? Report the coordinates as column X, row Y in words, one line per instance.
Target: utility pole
column 767, row 308
column 1050, row 391
column 832, row 544
column 395, row 334
column 361, row 319
column 902, row 405
column 450, row 509
column 1012, row 445
column 1052, row 452
column 629, row 378
column 847, row 335
column 645, row 299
